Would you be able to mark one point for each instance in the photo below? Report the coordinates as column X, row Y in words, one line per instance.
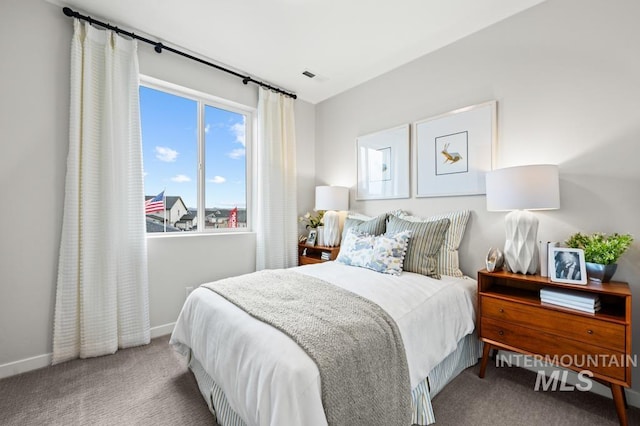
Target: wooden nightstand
column 314, row 254
column 511, row 317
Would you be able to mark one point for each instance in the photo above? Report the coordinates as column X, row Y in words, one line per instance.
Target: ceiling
column 343, row 42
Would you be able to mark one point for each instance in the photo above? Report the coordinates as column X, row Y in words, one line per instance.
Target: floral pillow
column 382, row 253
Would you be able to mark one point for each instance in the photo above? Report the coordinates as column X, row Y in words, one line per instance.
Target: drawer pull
column 590, row 331
column 501, row 310
column 501, row 333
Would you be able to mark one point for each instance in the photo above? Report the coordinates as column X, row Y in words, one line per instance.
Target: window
column 195, row 155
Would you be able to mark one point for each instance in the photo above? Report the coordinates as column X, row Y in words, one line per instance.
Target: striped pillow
column 373, row 226
column 448, row 258
column 424, row 245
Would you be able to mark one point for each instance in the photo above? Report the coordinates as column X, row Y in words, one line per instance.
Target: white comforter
column 269, row 380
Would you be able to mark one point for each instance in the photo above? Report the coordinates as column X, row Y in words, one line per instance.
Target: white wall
column 35, row 40
column 565, row 74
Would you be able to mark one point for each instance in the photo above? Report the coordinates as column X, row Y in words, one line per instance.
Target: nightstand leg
column 619, row 399
column 485, row 358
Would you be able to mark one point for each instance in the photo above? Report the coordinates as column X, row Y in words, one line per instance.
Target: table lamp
column 521, row 189
column 331, row 199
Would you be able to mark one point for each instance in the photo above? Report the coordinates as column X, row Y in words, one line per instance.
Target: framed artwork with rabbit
column 453, row 151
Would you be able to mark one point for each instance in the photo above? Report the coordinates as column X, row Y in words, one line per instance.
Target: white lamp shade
column 332, row 198
column 534, row 187
column 522, row 188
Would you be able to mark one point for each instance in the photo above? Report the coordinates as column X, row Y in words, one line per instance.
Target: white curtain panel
column 102, row 291
column 275, row 194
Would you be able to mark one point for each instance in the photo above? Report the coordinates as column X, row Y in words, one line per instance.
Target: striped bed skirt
column 467, row 353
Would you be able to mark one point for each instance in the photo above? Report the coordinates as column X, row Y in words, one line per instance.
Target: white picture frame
column 383, row 164
column 454, row 151
column 567, row 265
column 312, row 237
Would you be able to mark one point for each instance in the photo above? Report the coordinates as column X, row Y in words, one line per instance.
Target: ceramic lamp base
column 331, row 222
column 521, row 246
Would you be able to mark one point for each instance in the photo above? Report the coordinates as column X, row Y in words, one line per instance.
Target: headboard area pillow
column 371, row 226
column 448, row 258
column 382, row 253
column 426, row 240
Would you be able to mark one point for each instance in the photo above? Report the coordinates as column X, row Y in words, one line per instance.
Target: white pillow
column 364, row 217
column 448, row 258
column 382, row 253
column 359, row 216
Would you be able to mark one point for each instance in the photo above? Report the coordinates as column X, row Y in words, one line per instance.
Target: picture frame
column 312, row 237
column 567, row 265
column 455, row 150
column 383, row 164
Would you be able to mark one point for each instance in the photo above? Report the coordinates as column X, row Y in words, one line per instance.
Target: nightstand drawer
column 574, row 326
column 580, row 355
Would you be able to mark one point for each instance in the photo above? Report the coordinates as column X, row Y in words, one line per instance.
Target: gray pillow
column 448, row 259
column 424, row 245
column 375, row 226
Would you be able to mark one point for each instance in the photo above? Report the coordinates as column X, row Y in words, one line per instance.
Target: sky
column 170, row 150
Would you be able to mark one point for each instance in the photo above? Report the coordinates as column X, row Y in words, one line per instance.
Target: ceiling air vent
column 308, row 74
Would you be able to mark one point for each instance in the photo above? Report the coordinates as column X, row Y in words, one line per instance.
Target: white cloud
column 218, row 179
column 166, row 154
column 207, row 128
column 239, row 131
column 237, row 153
column 181, row 178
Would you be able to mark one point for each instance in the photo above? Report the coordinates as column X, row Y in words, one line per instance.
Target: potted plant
column 314, row 221
column 601, row 252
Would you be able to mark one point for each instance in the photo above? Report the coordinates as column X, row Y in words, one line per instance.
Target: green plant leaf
column 600, row 248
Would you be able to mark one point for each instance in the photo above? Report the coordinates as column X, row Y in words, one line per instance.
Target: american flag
column 155, row 204
column 233, row 218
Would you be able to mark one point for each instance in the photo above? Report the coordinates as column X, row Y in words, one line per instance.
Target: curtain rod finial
column 68, row 11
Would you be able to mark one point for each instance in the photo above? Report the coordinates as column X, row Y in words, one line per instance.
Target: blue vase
column 600, row 273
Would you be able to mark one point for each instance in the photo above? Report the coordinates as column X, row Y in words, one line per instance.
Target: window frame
column 202, row 100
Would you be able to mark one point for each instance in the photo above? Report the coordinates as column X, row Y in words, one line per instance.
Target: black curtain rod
column 159, row 47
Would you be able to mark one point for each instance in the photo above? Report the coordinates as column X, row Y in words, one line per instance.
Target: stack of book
column 582, row 301
column 325, row 255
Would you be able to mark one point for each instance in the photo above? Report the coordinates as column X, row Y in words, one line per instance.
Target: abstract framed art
column 383, row 164
column 453, row 151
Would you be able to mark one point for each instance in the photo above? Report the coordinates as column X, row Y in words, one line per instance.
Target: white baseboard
column 24, row 365
column 633, row 396
column 41, row 361
column 162, row 330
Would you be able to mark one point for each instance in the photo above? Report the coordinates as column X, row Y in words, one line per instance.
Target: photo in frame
column 383, row 164
column 454, row 151
column 312, row 237
column 567, row 265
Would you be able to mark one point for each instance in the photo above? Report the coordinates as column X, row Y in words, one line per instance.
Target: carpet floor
column 150, row 385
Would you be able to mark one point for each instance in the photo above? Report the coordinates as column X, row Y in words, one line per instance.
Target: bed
column 251, row 373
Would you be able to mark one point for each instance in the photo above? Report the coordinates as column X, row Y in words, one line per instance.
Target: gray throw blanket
column 355, row 344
